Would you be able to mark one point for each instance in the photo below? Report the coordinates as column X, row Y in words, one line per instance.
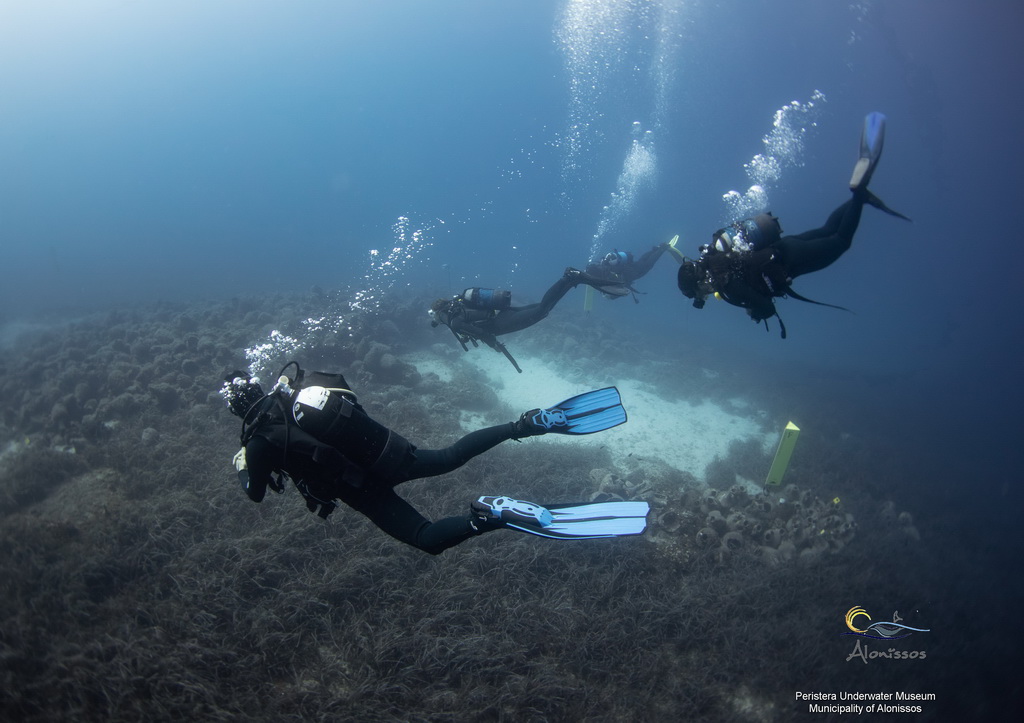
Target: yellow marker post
column 588, row 299
column 782, row 455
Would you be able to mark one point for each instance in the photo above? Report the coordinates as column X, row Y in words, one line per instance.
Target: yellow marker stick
column 588, row 298
column 785, row 451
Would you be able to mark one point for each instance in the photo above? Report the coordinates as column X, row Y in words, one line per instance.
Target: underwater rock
column 59, row 414
column 166, row 396
column 83, row 393
column 387, row 367
column 388, row 329
column 373, row 352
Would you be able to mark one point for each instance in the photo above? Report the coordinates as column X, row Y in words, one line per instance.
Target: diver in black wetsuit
column 485, row 314
column 619, row 269
column 749, row 263
column 285, row 435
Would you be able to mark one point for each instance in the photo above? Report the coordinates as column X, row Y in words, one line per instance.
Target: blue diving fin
column 583, row 414
column 872, row 138
column 566, row 522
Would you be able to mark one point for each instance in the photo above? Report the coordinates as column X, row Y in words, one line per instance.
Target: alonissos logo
column 881, row 631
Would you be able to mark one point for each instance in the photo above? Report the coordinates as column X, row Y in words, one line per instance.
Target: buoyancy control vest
column 317, row 421
column 475, row 306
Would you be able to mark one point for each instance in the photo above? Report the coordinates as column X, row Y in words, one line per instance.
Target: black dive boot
column 605, row 286
column 525, row 426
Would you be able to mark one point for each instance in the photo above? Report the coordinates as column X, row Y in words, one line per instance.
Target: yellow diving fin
column 782, row 455
column 674, row 249
column 588, row 299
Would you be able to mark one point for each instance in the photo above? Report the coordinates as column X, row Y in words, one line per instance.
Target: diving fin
column 565, row 522
column 614, row 290
column 872, row 138
column 674, row 249
column 873, row 200
column 608, row 287
column 585, row 413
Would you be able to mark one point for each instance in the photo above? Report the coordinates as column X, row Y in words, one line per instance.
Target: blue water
column 186, row 150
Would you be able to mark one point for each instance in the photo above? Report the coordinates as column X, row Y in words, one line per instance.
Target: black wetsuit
column 626, row 271
column 751, row 279
column 487, row 325
column 323, row 474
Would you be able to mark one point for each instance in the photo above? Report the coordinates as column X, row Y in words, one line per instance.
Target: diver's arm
column 256, row 477
column 461, row 325
column 739, row 293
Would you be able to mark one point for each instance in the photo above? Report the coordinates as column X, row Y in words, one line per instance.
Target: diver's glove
column 241, row 468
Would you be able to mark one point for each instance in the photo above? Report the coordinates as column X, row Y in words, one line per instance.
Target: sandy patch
column 684, row 434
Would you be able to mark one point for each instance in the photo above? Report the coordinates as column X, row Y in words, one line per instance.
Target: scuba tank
column 487, row 299
column 749, row 234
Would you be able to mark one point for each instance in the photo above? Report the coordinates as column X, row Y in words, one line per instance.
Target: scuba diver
column 750, row 262
column 310, row 428
column 478, row 314
column 619, row 269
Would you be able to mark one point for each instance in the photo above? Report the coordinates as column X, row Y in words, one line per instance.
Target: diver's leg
column 831, row 224
column 515, row 318
column 402, row 521
column 433, row 462
column 814, row 250
column 553, row 295
column 646, row 262
column 518, row 318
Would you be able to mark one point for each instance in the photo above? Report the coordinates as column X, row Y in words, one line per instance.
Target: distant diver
column 617, row 271
column 311, row 429
column 479, row 314
column 750, row 262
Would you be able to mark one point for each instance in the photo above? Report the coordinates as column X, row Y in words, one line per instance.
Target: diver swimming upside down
column 750, row 262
